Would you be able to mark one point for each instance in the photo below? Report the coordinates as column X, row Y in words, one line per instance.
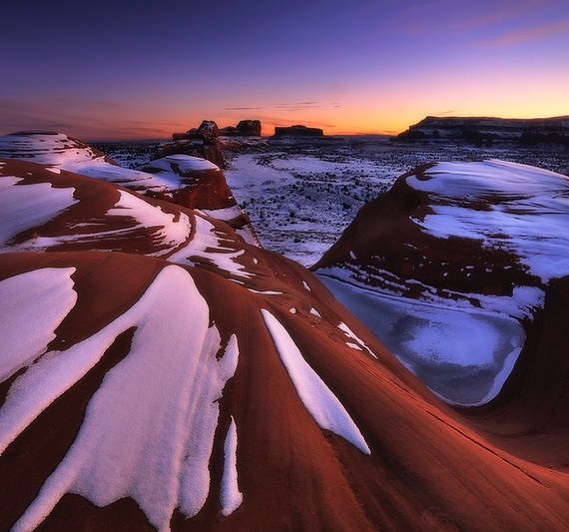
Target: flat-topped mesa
column 298, row 131
column 489, row 130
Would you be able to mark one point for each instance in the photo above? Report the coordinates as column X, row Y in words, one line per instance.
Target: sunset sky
column 118, row 70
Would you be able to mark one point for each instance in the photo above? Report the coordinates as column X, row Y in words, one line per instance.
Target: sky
column 145, row 69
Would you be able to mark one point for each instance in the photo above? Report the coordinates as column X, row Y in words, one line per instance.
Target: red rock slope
column 198, row 382
column 187, row 181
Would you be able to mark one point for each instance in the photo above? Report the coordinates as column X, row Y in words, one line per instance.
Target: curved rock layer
column 141, row 392
column 181, row 179
column 469, row 251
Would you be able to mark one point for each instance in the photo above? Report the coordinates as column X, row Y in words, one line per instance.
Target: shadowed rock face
column 203, row 141
column 194, row 381
column 298, row 131
column 194, row 145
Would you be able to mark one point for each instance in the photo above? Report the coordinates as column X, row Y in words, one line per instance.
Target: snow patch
column 314, row 312
column 185, row 163
column 154, row 446
column 171, row 233
column 520, row 208
column 33, row 305
column 231, row 497
column 350, row 334
column 28, row 206
column 318, row 399
column 208, row 245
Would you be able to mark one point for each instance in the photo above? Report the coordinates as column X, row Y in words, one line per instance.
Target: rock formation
column 197, row 142
column 298, row 131
column 465, row 247
column 245, row 128
column 485, row 131
column 158, row 372
column 182, row 179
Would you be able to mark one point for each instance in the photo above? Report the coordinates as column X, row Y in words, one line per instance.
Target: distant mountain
column 485, row 131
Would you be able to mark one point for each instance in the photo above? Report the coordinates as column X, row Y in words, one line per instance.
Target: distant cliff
column 298, row 131
column 485, row 131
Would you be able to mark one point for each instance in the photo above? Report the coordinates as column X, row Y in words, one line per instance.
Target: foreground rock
column 159, row 372
column 185, row 180
column 489, row 131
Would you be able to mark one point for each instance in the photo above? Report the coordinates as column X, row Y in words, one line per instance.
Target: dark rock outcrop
column 298, row 131
column 485, row 131
column 245, row 128
column 198, row 142
column 208, row 130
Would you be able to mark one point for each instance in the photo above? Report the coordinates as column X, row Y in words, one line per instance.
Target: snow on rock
column 188, row 181
column 351, row 335
column 171, row 233
column 314, row 312
column 47, row 147
column 227, row 214
column 33, row 305
column 209, row 244
column 231, row 497
column 182, row 164
column 27, row 206
column 523, row 209
column 455, row 247
column 154, row 447
column 318, row 399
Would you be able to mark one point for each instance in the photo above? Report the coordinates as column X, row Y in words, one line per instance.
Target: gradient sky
column 119, row 70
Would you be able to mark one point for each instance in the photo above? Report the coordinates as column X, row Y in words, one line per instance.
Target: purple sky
column 125, row 70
